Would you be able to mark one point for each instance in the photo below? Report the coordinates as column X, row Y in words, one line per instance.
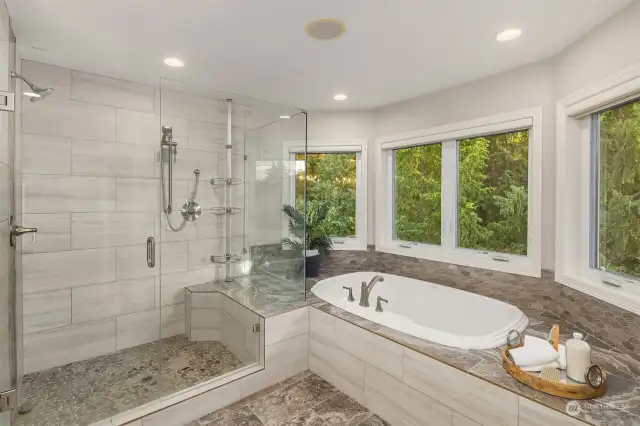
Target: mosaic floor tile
column 84, row 392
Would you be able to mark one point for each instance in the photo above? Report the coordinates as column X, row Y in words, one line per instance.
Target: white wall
column 607, row 49
column 327, row 125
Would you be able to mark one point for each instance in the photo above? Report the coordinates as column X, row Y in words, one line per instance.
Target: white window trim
column 359, row 146
column 530, row 264
column 573, row 189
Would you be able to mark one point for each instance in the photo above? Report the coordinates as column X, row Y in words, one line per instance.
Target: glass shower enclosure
column 155, row 243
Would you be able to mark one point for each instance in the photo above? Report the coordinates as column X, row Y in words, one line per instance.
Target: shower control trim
column 7, row 101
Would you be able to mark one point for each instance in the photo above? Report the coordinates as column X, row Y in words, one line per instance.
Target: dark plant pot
column 312, row 265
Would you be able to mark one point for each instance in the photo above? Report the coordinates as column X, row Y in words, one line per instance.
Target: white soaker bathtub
column 433, row 312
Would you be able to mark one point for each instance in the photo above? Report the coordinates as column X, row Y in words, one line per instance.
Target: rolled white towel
column 535, row 352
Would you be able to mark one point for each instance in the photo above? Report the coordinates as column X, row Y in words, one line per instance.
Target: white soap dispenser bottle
column 578, row 357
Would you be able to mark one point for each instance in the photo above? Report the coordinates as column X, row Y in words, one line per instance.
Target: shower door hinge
column 256, row 328
column 245, row 157
column 8, row 400
column 7, row 101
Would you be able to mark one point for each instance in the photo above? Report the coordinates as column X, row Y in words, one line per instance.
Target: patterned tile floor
column 84, row 392
column 305, row 399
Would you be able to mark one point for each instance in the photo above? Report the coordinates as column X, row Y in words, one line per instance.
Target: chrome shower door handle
column 151, row 252
column 17, row 230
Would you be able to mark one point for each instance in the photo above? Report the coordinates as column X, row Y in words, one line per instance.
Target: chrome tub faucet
column 365, row 290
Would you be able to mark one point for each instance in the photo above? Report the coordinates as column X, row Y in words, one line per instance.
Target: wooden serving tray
column 566, row 388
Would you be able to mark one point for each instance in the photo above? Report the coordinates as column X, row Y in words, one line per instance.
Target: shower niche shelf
column 221, row 211
column 226, row 258
column 225, row 181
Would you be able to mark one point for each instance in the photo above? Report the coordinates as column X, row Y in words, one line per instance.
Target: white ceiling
column 392, row 50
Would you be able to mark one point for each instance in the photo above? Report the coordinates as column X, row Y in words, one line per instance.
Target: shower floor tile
column 84, row 392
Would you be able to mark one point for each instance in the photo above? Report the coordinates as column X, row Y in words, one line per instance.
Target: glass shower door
column 10, row 249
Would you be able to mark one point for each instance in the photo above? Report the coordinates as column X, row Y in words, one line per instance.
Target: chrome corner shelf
column 225, row 181
column 226, row 258
column 221, row 211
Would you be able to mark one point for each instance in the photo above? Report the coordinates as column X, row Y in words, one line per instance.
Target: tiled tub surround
column 85, row 392
column 402, row 378
column 358, row 355
column 90, row 184
column 614, row 327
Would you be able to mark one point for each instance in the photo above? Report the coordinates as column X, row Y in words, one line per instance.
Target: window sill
column 516, row 265
column 616, row 296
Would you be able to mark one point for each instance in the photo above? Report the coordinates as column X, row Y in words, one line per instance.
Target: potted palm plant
column 307, row 239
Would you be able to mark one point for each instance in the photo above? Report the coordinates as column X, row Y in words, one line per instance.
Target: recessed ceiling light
column 340, row 97
column 509, row 34
column 32, row 95
column 174, row 62
column 325, row 29
column 284, row 117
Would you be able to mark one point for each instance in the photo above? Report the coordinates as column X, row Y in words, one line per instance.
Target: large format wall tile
column 172, row 319
column 57, row 78
column 95, row 230
column 187, row 161
column 480, row 401
column 137, row 127
column 200, row 252
column 137, row 328
column 460, row 420
column 4, row 192
column 287, row 325
column 46, row 310
column 131, row 262
column 50, row 348
column 321, row 325
column 46, row 155
column 54, row 232
column 138, row 195
column 58, row 117
column 534, row 414
column 401, row 405
column 175, row 257
column 176, row 104
column 375, row 350
column 173, row 285
column 282, row 360
column 108, row 91
column 51, row 271
column 58, row 194
column 96, row 158
column 338, row 367
column 98, row 301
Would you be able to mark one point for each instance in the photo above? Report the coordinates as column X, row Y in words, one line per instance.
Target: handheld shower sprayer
column 190, row 210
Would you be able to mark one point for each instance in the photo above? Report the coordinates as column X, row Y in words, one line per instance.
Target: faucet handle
column 350, row 297
column 379, row 304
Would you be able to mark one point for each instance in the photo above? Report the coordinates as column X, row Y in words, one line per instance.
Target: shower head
column 37, row 93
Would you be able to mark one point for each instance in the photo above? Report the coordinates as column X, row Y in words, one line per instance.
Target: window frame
column 449, row 136
column 577, row 202
column 339, row 146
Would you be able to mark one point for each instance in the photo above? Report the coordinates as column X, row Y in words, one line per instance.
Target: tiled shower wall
column 90, row 178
